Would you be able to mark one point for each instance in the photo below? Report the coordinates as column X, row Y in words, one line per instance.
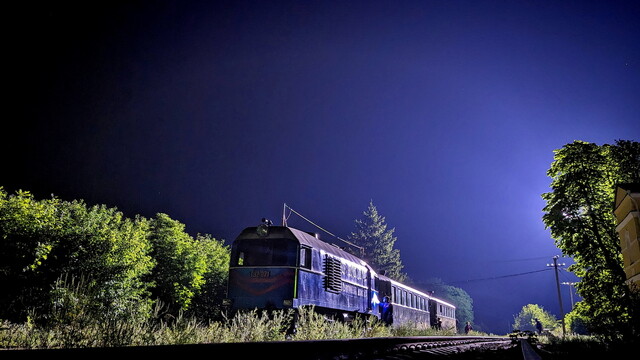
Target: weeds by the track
column 252, row 326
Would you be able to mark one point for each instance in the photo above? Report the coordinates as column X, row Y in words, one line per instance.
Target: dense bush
column 48, row 245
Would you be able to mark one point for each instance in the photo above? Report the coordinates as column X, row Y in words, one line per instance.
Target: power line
column 500, row 277
column 525, row 259
column 284, row 223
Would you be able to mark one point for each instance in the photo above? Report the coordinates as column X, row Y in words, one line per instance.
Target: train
column 281, row 267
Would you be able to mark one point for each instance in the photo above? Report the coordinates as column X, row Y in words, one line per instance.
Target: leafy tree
column 579, row 213
column 190, row 273
column 180, row 266
column 44, row 241
column 454, row 295
column 48, row 248
column 526, row 319
column 27, row 235
column 106, row 249
column 576, row 323
column 207, row 303
column 378, row 241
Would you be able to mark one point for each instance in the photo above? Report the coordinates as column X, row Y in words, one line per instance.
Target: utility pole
column 555, row 265
column 570, row 291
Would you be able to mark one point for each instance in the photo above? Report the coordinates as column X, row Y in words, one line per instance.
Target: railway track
column 351, row 349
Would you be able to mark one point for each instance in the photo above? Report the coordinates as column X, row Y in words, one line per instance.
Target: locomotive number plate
column 260, row 274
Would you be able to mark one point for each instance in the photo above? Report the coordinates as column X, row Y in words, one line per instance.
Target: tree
column 180, row 266
column 576, row 323
column 372, row 235
column 52, row 251
column 454, row 295
column 207, row 303
column 27, row 236
column 579, row 213
column 43, row 241
column 526, row 319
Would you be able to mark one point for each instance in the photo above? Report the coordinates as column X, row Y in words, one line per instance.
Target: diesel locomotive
column 280, row 267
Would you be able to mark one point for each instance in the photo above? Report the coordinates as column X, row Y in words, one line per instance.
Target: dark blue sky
column 445, row 114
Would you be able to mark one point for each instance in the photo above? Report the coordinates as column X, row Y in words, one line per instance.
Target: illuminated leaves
column 579, row 214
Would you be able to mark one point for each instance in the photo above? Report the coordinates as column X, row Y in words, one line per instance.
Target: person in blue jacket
column 386, row 309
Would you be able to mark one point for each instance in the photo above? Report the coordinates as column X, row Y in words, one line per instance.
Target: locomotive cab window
column 264, row 252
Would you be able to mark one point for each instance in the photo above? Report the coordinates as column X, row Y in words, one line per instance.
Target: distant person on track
column 539, row 326
column 467, row 328
column 439, row 324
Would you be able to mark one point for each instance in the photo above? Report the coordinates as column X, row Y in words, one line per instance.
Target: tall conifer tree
column 378, row 243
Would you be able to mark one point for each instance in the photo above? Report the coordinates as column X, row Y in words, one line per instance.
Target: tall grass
column 251, row 326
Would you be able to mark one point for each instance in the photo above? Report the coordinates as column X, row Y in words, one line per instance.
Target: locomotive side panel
column 309, row 282
column 334, row 284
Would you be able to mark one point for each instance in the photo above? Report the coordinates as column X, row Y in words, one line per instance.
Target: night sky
column 444, row 114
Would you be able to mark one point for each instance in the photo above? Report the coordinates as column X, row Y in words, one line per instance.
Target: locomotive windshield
column 264, row 252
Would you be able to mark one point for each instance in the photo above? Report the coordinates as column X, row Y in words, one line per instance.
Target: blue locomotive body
column 279, row 267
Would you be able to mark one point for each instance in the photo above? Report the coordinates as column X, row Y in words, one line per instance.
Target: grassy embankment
column 87, row 331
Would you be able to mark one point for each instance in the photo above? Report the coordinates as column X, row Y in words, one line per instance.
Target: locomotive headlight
column 262, row 230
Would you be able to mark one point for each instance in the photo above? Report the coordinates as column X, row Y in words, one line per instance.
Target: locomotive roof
column 307, row 239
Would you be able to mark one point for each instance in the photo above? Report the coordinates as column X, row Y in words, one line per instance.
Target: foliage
column 454, row 295
column 579, row 213
column 378, row 243
column 526, row 319
column 81, row 321
column 180, row 266
column 585, row 347
column 246, row 326
column 44, row 240
column 576, row 323
column 207, row 303
column 28, row 233
column 47, row 246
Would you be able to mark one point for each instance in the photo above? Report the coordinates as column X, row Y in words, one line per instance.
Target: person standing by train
column 386, row 309
column 538, row 326
column 467, row 328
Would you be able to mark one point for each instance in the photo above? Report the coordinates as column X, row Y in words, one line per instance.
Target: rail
column 345, row 349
